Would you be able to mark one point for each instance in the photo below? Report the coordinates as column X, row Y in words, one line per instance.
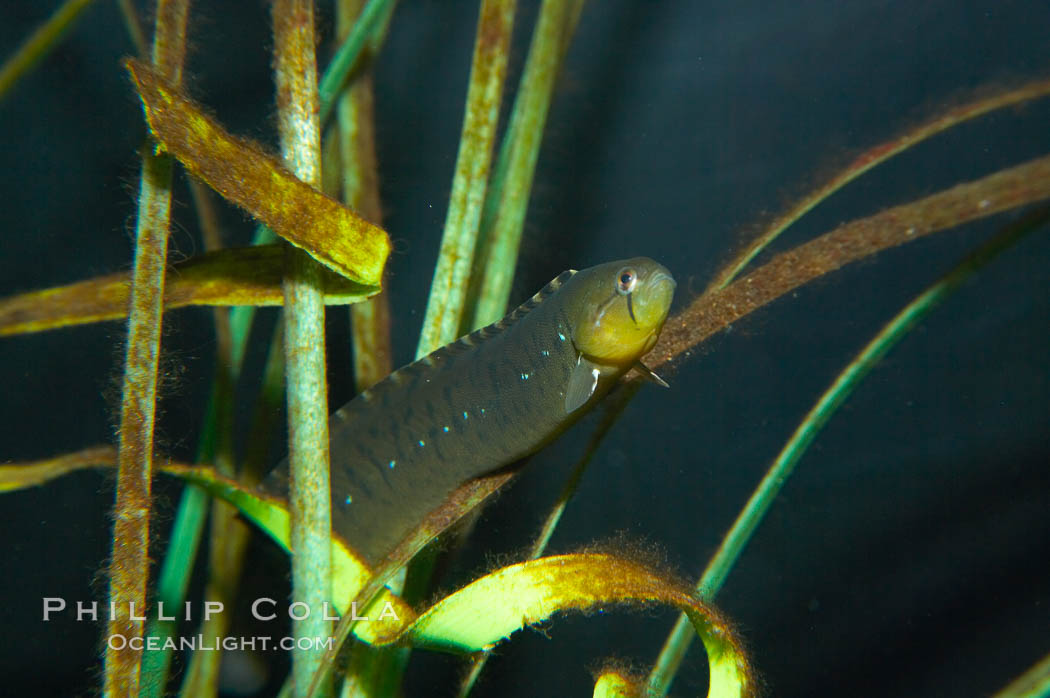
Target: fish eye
column 626, row 280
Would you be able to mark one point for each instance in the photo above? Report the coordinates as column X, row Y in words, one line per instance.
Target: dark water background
column 909, row 553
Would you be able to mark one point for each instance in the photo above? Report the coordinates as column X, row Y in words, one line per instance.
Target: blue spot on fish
column 464, row 415
column 392, row 464
column 561, row 336
column 349, row 499
column 444, row 429
column 422, row 443
column 524, row 376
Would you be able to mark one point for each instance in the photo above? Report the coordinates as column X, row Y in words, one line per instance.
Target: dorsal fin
column 465, row 343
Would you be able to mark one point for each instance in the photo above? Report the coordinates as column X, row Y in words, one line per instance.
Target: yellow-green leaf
column 490, row 609
column 238, row 276
column 240, row 171
column 18, row 476
column 613, row 684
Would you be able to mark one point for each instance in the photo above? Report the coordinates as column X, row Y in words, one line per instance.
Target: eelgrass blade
column 40, row 43
column 201, row 678
column 245, row 175
column 872, row 158
column 17, row 476
column 507, row 196
column 834, row 397
column 129, row 565
column 370, row 672
column 355, row 113
column 445, row 306
column 172, row 583
column 1034, row 683
column 133, row 25
column 533, row 591
column 295, row 72
column 507, row 199
column 239, row 276
column 229, row 538
column 615, row 684
column 371, row 22
column 715, row 310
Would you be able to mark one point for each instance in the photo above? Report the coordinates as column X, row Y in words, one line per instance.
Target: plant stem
column 129, row 566
column 370, row 320
column 507, row 200
column 373, row 18
column 215, row 446
column 448, row 291
column 297, row 104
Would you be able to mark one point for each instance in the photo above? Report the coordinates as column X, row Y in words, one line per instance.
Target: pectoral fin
column 582, row 382
column 650, row 375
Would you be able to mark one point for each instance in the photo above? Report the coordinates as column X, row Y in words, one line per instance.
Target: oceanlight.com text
column 228, row 643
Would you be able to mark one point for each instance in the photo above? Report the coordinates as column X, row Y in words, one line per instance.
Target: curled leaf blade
column 613, row 684
column 491, row 608
column 239, row 170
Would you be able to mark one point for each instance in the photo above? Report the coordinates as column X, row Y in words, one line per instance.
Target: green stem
column 359, row 176
column 295, row 70
column 456, row 258
column 373, row 19
column 507, row 200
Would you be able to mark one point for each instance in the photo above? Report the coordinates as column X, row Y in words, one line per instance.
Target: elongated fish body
column 490, row 398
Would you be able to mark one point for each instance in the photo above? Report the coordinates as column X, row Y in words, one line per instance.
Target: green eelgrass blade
column 448, row 291
column 39, row 43
column 1034, row 683
column 751, row 516
column 507, row 199
column 295, row 73
column 372, row 21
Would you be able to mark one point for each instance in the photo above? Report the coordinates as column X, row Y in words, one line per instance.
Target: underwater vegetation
column 906, row 555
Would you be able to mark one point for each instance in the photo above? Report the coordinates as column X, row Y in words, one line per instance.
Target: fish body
column 488, row 399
